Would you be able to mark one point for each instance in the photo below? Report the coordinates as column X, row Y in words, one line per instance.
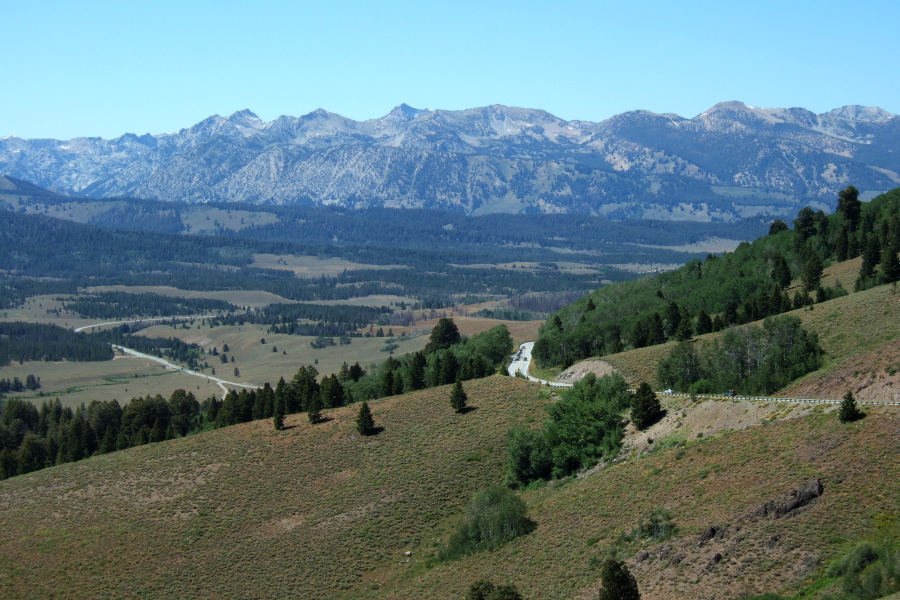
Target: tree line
column 32, row 438
column 751, row 283
column 750, row 360
column 306, row 319
column 37, row 341
column 170, row 348
column 124, row 305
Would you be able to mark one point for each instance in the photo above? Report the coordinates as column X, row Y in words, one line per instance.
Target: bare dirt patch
column 685, row 420
column 872, row 376
column 598, row 367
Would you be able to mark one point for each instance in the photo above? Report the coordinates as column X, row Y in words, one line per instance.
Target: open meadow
column 123, row 378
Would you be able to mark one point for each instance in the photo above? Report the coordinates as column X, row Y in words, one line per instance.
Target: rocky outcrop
column 802, row 496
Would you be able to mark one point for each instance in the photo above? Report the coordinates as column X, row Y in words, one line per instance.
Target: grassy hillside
column 250, row 512
column 320, row 512
column 713, row 483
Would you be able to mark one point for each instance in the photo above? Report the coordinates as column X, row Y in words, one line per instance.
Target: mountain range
column 729, row 162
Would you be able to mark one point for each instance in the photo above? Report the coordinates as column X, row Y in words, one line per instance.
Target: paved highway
column 221, row 382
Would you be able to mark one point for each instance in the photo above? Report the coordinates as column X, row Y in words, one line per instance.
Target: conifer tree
column 781, row 273
column 314, row 409
column 618, row 582
column 387, row 384
column 444, row 335
column 365, row 423
column 417, row 372
column 704, row 323
column 684, row 331
column 278, row 417
column 458, row 397
column 849, row 411
column 645, row 407
column 812, row 272
column 890, row 266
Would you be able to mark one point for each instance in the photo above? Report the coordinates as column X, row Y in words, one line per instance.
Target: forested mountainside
column 758, row 279
column 730, row 162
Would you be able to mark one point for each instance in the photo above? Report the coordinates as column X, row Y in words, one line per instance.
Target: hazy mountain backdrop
column 731, row 161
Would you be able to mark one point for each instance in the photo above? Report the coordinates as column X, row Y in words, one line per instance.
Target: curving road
column 217, row 380
column 522, row 361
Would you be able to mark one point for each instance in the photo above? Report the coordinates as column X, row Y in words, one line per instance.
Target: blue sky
column 106, row 68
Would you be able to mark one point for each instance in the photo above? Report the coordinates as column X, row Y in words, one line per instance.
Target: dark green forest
column 137, row 242
column 746, row 285
column 22, row 342
column 122, row 305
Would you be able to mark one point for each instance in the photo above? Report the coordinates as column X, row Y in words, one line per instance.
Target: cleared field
column 120, row 379
column 717, row 245
column 205, row 219
column 257, row 362
column 246, row 298
column 376, row 300
column 521, row 331
column 570, row 267
column 80, row 212
column 310, row 266
column 41, row 309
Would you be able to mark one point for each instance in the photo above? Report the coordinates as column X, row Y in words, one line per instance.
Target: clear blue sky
column 106, row 68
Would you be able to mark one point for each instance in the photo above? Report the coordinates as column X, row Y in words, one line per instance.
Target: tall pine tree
column 365, row 423
column 849, row 411
column 458, row 397
column 618, row 582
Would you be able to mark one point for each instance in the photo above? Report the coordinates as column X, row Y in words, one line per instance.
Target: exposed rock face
column 731, row 161
column 800, row 497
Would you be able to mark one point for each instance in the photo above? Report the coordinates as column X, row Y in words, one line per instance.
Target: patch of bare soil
column 872, row 376
column 686, row 420
column 595, row 366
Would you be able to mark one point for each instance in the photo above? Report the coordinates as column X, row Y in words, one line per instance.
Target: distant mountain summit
column 729, row 162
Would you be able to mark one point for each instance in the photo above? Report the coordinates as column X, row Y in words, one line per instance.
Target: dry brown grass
column 710, row 482
column 311, row 266
column 251, row 512
column 120, row 379
column 320, row 512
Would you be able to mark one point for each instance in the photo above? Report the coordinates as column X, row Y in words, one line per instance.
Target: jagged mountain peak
column 244, row 117
column 855, row 112
column 491, row 158
column 404, row 112
column 736, row 115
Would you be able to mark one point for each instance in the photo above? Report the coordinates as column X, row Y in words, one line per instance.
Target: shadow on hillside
column 467, row 409
column 374, row 431
column 659, row 417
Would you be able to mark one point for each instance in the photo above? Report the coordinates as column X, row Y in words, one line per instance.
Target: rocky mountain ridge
column 731, row 161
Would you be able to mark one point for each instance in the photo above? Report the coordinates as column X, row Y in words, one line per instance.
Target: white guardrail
column 521, row 361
